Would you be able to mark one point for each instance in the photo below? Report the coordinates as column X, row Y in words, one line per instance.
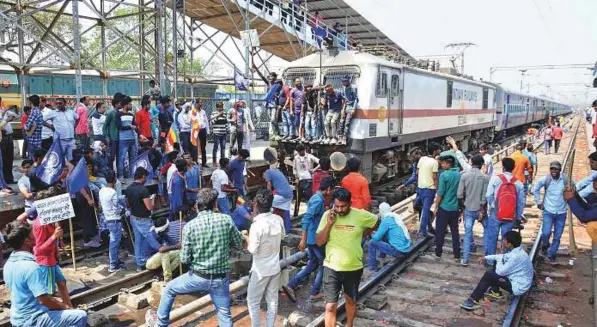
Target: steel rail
column 515, row 310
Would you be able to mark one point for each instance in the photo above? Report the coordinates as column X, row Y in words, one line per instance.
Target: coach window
column 485, row 98
column 449, row 96
column 382, row 85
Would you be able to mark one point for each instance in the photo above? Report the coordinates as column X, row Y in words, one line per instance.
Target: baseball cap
column 556, row 165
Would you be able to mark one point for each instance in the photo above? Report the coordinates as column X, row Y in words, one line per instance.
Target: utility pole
column 459, row 49
column 522, row 75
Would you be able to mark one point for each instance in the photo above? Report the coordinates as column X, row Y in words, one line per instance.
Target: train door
column 394, row 104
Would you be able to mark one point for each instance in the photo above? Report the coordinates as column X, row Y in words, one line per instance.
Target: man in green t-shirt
column 341, row 230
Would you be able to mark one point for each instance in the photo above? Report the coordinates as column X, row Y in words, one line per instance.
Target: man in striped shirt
column 219, row 124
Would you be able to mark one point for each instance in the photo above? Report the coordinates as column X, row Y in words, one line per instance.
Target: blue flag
column 143, row 161
column 51, row 167
column 78, row 178
column 240, row 82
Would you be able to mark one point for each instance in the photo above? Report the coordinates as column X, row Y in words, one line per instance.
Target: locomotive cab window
column 449, row 96
column 485, row 98
column 382, row 85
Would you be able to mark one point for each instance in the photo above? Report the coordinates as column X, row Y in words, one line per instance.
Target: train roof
column 353, row 57
column 511, row 91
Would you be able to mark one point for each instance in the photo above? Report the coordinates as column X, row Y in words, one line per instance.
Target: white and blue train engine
column 401, row 107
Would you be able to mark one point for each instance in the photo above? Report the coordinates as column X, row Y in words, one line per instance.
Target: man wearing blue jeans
column 554, row 208
column 310, row 222
column 496, row 226
column 31, row 303
column 391, row 237
column 112, row 213
column 208, row 262
column 127, row 143
column 471, row 195
column 141, row 204
column 427, row 182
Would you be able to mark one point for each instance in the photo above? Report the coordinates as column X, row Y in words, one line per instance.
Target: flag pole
column 72, row 237
column 94, row 209
column 180, row 240
column 72, row 243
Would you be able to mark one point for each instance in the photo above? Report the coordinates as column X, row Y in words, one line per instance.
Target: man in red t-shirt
column 557, row 133
column 47, row 238
column 357, row 184
column 321, row 172
column 143, row 120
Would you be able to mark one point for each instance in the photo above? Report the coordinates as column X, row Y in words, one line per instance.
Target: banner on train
column 54, row 209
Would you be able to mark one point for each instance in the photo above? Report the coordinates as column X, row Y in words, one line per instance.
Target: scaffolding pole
column 174, row 51
column 76, row 46
column 159, row 44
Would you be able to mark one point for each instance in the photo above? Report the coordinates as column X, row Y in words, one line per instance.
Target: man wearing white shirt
column 249, row 128
column 263, row 241
column 63, row 122
column 303, row 164
column 47, row 134
column 203, row 131
column 184, row 128
column 221, row 183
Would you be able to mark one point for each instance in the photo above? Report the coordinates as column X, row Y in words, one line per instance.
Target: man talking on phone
column 341, row 230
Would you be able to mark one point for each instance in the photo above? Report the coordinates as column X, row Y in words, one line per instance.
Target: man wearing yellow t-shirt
column 428, row 180
column 341, row 230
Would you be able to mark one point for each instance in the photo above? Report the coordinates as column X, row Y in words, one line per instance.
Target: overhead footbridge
column 289, row 30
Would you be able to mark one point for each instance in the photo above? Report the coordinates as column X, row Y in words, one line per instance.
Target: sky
column 506, row 33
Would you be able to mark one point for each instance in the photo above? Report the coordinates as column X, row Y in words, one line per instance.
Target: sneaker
column 437, row 258
column 92, row 244
column 494, row 295
column 151, row 318
column 333, row 141
column 289, row 292
column 551, row 259
column 115, row 270
column 470, row 305
column 463, row 263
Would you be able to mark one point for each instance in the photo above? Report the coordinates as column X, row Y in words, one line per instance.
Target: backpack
column 548, row 181
column 506, row 199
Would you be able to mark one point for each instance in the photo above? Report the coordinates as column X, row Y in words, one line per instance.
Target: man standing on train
column 335, row 103
column 351, row 100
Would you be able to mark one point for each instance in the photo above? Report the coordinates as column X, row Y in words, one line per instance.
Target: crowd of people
column 203, row 223
column 308, row 113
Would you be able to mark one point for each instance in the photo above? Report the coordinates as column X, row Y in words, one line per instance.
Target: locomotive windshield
column 306, row 74
column 334, row 75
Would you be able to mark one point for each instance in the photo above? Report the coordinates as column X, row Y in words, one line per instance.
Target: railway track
column 106, row 293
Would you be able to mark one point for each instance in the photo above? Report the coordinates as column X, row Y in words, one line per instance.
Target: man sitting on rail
column 584, row 187
column 514, row 273
column 164, row 242
column 206, row 243
column 585, row 212
column 391, row 237
column 31, row 302
column 242, row 214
